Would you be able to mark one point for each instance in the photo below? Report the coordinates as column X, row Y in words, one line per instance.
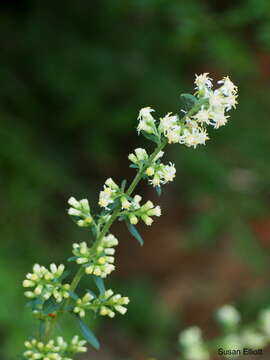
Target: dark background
column 73, row 76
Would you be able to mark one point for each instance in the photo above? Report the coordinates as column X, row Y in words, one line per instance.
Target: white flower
column 167, row 173
column 146, row 120
column 219, row 119
column 191, row 336
column 195, row 137
column 167, row 122
column 228, row 88
column 216, row 100
column 145, row 113
column 228, row 316
column 202, row 116
column 203, row 81
column 109, row 193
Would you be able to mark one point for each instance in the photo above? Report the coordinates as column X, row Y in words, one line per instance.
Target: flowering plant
column 50, row 298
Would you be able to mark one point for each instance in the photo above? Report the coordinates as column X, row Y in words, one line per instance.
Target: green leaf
column 134, row 166
column 151, row 137
column 123, row 185
column 134, row 232
column 91, row 293
column 73, row 295
column 100, row 284
column 41, row 328
column 89, row 335
column 158, row 190
column 72, row 258
column 35, row 303
column 189, row 101
column 50, row 306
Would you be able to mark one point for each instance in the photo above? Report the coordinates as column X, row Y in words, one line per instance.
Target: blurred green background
column 73, row 77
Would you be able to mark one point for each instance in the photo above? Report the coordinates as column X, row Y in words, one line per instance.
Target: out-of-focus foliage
column 74, row 75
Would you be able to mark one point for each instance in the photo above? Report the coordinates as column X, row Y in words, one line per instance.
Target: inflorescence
column 45, row 287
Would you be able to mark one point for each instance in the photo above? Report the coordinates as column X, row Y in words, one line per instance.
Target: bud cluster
column 54, row 349
column 97, row 260
column 46, row 282
column 145, row 212
column 106, row 304
column 81, row 211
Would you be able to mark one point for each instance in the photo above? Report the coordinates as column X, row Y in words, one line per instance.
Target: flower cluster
column 192, row 344
column 211, row 109
column 144, row 212
column 97, row 261
column 46, row 282
column 81, row 211
column 228, row 316
column 54, row 349
column 106, row 304
column 219, row 101
column 109, row 194
column 158, row 172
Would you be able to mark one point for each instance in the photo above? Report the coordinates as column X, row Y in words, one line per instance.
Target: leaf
column 133, row 166
column 73, row 295
column 34, row 303
column 123, row 185
column 51, row 306
column 189, row 100
column 89, row 335
column 72, row 258
column 134, row 232
column 151, row 137
column 100, row 284
column 158, row 190
column 64, row 275
column 41, row 328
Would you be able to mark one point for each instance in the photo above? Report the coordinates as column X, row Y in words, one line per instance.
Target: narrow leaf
column 134, row 232
column 189, row 100
column 73, row 295
column 158, row 190
column 100, row 284
column 123, row 185
column 151, row 137
column 89, row 335
column 72, row 258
